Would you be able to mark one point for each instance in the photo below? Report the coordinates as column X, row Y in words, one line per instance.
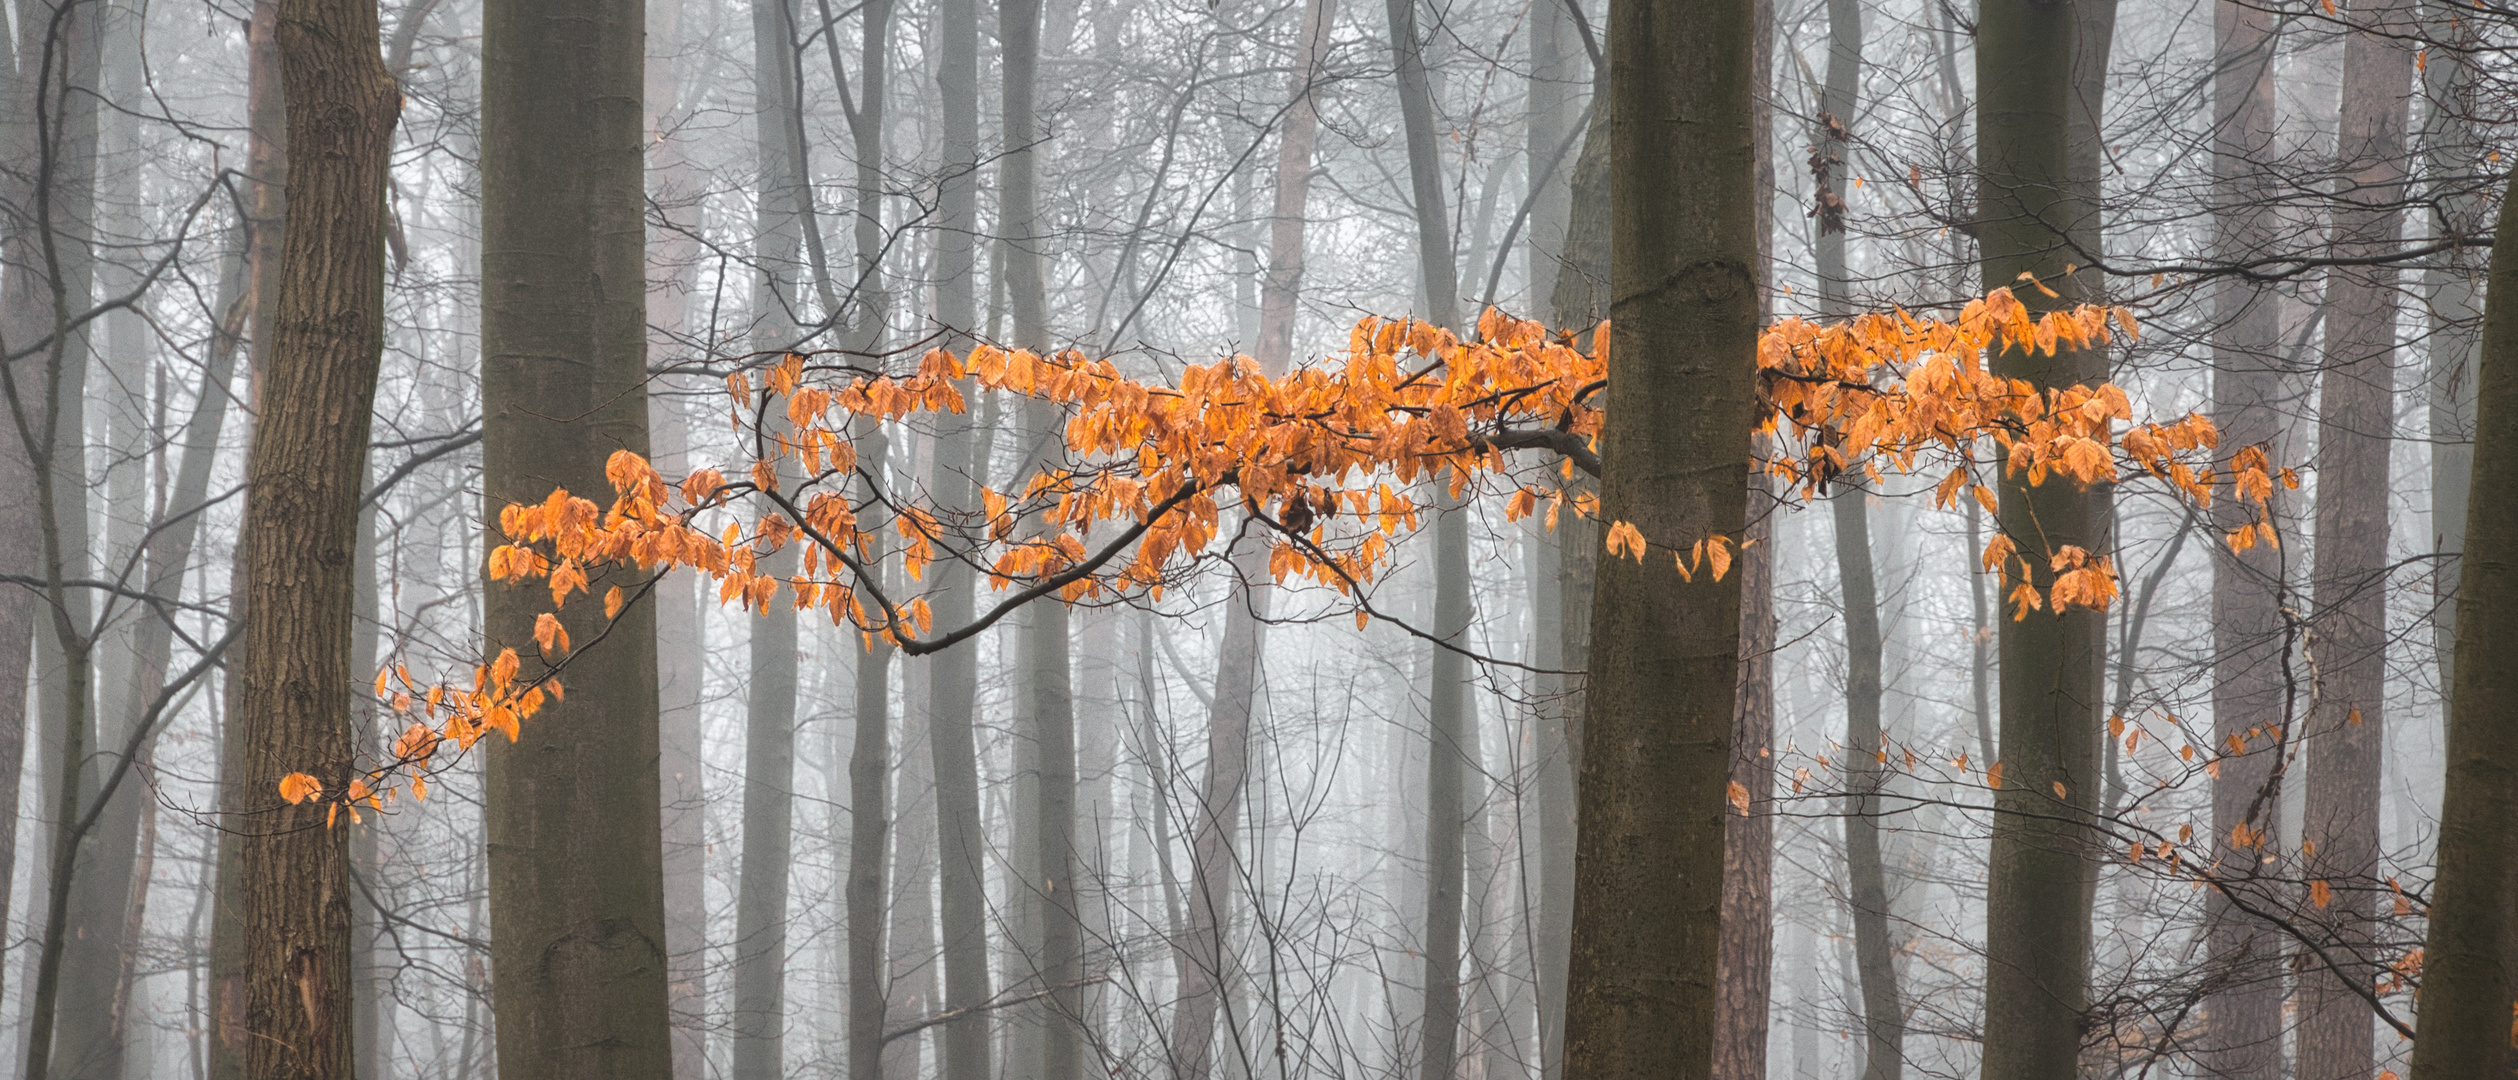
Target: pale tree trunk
column 2470, row 959
column 1047, row 881
column 1199, row 958
column 2348, row 589
column 2031, row 209
column 2244, row 1041
column 1663, row 690
column 304, row 482
column 870, row 759
column 1579, row 301
column 1447, row 718
column 2452, row 147
column 758, row 1016
column 912, row 960
column 961, row 849
column 1866, row 878
column 574, row 814
column 680, row 648
column 51, row 254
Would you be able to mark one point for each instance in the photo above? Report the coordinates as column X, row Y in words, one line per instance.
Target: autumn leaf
column 1739, row 796
column 1625, row 539
column 1993, row 776
column 297, row 787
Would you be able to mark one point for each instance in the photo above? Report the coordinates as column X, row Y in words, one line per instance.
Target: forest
column 1258, row 539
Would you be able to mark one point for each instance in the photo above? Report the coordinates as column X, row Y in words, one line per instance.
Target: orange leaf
column 297, row 787
column 1739, row 795
column 1993, row 776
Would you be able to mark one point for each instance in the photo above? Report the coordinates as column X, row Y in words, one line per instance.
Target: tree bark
column 2244, row 1041
column 573, row 810
column 304, row 482
column 2468, row 973
column 1664, row 685
column 2348, row 588
column 266, row 163
column 2030, row 213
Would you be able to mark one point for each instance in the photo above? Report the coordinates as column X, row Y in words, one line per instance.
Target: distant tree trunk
column 870, row 762
column 1866, row 878
column 913, row 983
column 574, row 814
column 2355, row 423
column 2468, row 973
column 2244, row 1041
column 1550, row 122
column 2451, row 144
column 1198, row 960
column 758, row 1016
column 50, row 248
column 1580, row 301
column 1446, row 718
column 961, row 849
column 681, row 647
column 2039, row 882
column 1664, row 686
column 304, row 481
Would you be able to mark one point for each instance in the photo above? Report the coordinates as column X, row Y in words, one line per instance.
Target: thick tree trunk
column 1664, row 684
column 266, row 162
column 573, row 811
column 305, row 479
column 2468, row 973
column 2348, row 590
column 2052, row 677
column 2244, row 1041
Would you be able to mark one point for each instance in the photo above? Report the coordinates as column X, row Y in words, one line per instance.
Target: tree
column 2467, row 978
column 1674, row 461
column 304, row 482
column 2348, row 594
column 2245, row 1039
column 574, row 826
column 2029, row 214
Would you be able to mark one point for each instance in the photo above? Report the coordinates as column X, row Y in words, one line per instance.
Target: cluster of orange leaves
column 1320, row 458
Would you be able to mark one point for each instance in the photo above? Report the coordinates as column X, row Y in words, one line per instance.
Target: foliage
column 1319, row 460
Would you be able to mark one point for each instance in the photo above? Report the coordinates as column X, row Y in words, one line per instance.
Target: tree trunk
column 573, row 809
column 680, row 647
column 758, row 1017
column 2244, row 1041
column 266, row 162
column 2451, row 144
column 2052, row 679
column 870, row 762
column 1883, row 1013
column 2468, row 974
column 1664, row 686
column 2348, row 591
column 304, row 482
column 54, row 132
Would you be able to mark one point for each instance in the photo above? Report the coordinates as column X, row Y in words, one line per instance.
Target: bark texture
column 574, row 806
column 2030, row 213
column 1664, row 687
column 304, row 480
column 2470, row 960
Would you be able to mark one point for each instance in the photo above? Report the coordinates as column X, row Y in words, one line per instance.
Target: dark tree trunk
column 305, row 479
column 1664, row 684
column 574, row 816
